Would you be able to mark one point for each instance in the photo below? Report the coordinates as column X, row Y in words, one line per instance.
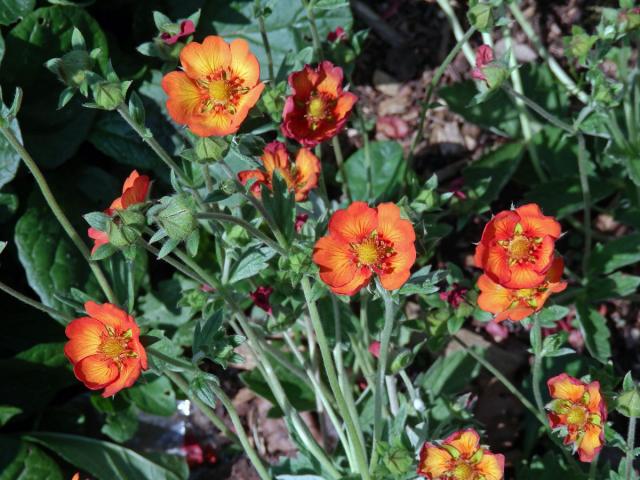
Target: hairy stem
column 35, row 304
column 58, row 212
column 586, row 202
column 631, row 440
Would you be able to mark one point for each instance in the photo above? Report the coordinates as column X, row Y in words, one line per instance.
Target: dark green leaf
column 615, row 254
column 12, row 10
column 51, row 136
column 595, row 332
column 387, row 171
column 48, row 354
column 7, row 412
column 9, row 159
column 25, row 461
column 52, row 263
column 8, row 206
column 122, row 425
column 104, row 460
column 617, row 284
column 156, row 396
column 251, row 263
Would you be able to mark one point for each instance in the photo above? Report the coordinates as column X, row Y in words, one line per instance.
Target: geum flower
column 134, row 191
column 185, row 28
column 517, row 304
column 579, row 413
column 300, row 177
column 104, row 348
column 517, row 247
column 460, row 457
column 318, row 108
column 363, row 241
column 219, row 85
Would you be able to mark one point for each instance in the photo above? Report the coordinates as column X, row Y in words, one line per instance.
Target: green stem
column 34, row 304
column 593, row 468
column 337, row 149
column 537, row 369
column 555, row 67
column 586, row 202
column 457, row 29
column 131, row 295
column 378, row 393
column 222, row 217
column 502, row 379
column 631, row 440
column 241, row 436
column 208, row 181
column 58, row 213
column 425, row 104
column 315, row 36
column 334, row 383
column 367, row 154
column 551, row 118
column 267, row 47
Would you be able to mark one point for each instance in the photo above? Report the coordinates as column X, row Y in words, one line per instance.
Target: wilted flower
column 484, row 56
column 460, row 457
column 260, row 298
column 517, row 304
column 363, row 241
column 454, row 296
column 104, row 348
column 134, row 191
column 219, row 85
column 579, row 413
column 187, row 27
column 517, row 247
column 301, row 177
column 318, row 108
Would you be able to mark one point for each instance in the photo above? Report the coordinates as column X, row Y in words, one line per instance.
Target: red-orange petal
column 354, row 223
column 491, row 466
column 243, row 63
column 183, row 96
column 307, row 173
column 201, row 59
column 129, row 373
column 96, row 371
column 434, row 461
column 564, row 387
column 335, row 259
column 392, row 227
column 493, row 298
column 465, row 441
column 111, row 316
column 85, row 337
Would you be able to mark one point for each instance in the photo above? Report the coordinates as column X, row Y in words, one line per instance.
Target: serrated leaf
column 615, row 254
column 251, row 263
column 595, row 332
column 387, row 171
column 154, row 395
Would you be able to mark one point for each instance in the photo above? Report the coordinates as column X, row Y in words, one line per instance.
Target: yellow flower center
column 367, row 252
column 316, row 108
column 519, row 247
column 117, row 346
column 374, row 252
column 576, row 415
column 220, row 91
column 463, row 471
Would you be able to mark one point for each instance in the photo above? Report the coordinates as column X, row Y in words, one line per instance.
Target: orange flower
column 302, row 177
column 363, row 241
column 579, row 412
column 318, row 108
column 516, row 304
column 219, row 85
column 105, row 348
column 460, row 457
column 516, row 248
column 134, row 191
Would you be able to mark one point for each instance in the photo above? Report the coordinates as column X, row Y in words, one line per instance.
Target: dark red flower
column 484, row 56
column 338, row 35
column 318, row 107
column 374, row 348
column 187, row 27
column 454, row 296
column 261, row 298
column 301, row 219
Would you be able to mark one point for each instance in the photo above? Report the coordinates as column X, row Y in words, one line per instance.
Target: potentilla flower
column 134, row 191
column 301, row 177
column 260, row 298
column 219, row 84
column 484, row 56
column 363, row 241
column 460, row 457
column 517, row 304
column 517, row 247
column 187, row 27
column 318, row 108
column 104, row 348
column 579, row 413
column 454, row 296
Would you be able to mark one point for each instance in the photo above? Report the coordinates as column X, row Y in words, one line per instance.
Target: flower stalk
column 58, row 212
column 631, row 439
column 34, row 304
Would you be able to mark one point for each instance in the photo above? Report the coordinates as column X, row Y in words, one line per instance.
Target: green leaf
column 52, row 263
column 52, row 136
column 12, row 10
column 104, row 460
column 387, row 171
column 549, row 315
column 25, row 461
column 281, row 204
column 7, row 412
column 450, row 374
column 251, row 263
column 9, row 158
column 615, row 254
column 628, row 403
column 595, row 332
column 122, row 425
column 287, row 27
column 47, row 354
column 156, row 396
column 617, row 284
column 8, row 206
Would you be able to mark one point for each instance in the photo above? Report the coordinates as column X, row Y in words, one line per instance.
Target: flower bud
column 72, row 68
column 177, row 217
column 110, row 95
